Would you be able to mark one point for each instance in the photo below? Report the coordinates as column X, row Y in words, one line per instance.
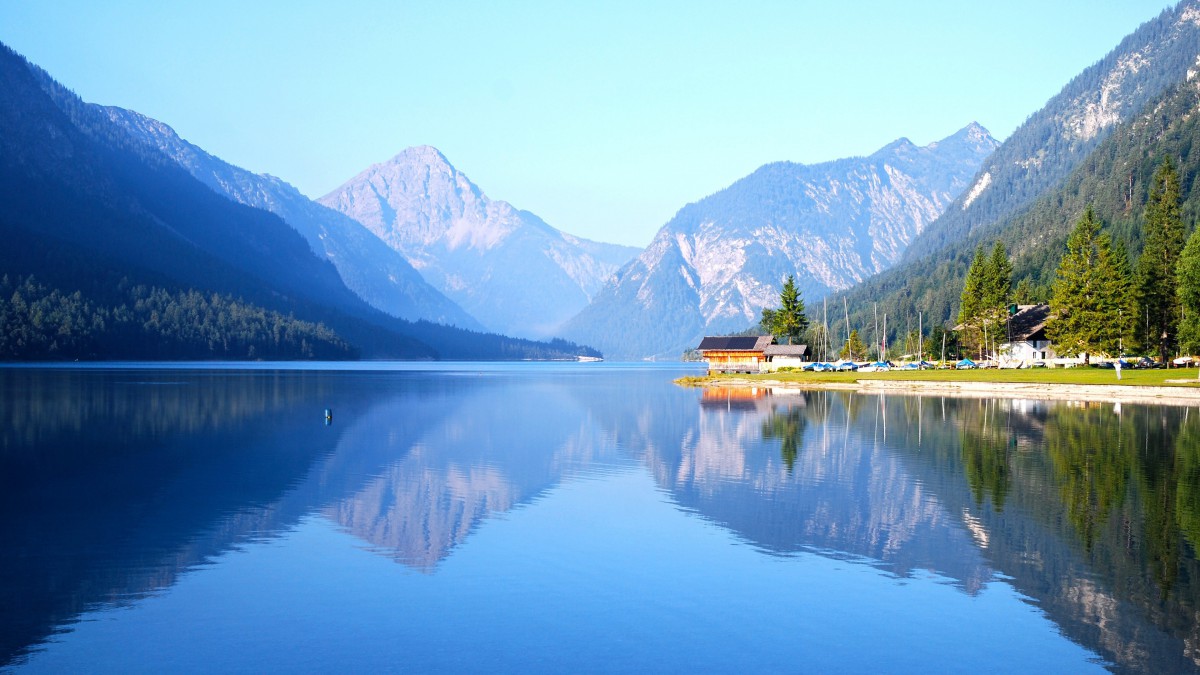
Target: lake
column 583, row 518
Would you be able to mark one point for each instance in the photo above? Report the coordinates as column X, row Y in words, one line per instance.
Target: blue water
column 580, row 517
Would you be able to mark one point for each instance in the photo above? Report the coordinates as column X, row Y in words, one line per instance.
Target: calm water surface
column 590, row 517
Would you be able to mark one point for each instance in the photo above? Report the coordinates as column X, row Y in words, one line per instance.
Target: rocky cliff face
column 720, row 261
column 371, row 269
column 1056, row 139
column 507, row 267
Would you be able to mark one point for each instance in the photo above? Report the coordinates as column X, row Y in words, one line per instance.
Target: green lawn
column 1080, row 375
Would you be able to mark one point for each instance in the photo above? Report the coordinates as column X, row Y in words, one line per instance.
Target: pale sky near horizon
column 604, row 119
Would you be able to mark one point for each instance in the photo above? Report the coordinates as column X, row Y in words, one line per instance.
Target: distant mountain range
column 96, row 212
column 506, row 267
column 375, row 272
column 404, row 256
column 720, row 261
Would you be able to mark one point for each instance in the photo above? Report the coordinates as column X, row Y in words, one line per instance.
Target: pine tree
column 985, row 296
column 997, row 289
column 971, row 304
column 997, row 282
column 1187, row 277
column 789, row 321
column 1089, row 304
column 1125, row 300
column 854, row 347
column 1163, row 234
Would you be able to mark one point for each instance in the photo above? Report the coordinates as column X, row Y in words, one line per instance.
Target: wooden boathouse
column 735, row 354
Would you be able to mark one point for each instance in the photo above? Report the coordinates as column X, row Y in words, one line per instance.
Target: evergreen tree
column 938, row 338
column 1089, row 304
column 1025, row 292
column 1163, row 235
column 1126, row 298
column 788, row 322
column 997, row 289
column 997, row 280
column 971, row 304
column 1187, row 277
column 854, row 347
column 986, row 292
column 766, row 325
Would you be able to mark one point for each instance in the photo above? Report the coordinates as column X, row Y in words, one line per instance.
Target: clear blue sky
column 604, row 118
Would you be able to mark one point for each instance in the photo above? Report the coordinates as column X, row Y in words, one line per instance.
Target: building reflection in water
column 112, row 493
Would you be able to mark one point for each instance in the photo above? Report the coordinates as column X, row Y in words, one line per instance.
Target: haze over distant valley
column 507, row 267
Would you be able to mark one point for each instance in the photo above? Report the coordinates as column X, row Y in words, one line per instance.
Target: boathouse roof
column 786, row 350
column 748, row 343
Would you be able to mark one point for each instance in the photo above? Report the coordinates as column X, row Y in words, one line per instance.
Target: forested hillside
column 1113, row 177
column 1114, row 180
column 1057, row 138
column 40, row 323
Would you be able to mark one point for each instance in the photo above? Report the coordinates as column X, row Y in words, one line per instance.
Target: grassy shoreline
column 1181, row 378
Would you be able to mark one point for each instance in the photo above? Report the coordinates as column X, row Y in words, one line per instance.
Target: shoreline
column 1114, row 393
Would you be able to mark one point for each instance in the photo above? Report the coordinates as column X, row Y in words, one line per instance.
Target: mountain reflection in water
column 115, row 482
column 1090, row 509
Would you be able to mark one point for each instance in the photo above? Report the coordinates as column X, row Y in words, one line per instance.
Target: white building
column 1027, row 341
column 782, row 356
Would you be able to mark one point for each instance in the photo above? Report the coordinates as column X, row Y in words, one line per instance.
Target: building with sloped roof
column 1027, row 341
column 738, row 354
column 785, row 356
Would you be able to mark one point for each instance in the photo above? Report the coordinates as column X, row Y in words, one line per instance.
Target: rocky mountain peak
column 720, row 261
column 973, row 136
column 505, row 266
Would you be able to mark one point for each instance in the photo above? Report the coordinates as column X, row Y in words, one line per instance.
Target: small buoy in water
column 328, row 416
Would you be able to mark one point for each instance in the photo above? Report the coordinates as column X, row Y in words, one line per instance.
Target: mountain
column 1055, row 139
column 506, row 267
column 1166, row 128
column 720, row 261
column 374, row 271
column 99, row 216
column 1068, row 135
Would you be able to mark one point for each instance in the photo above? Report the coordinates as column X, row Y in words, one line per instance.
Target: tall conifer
column 971, row 303
column 997, row 287
column 1158, row 309
column 1090, row 296
column 985, row 295
column 789, row 321
column 1187, row 277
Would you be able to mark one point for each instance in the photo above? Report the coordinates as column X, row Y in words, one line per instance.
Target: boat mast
column 849, row 348
column 825, row 329
column 877, row 342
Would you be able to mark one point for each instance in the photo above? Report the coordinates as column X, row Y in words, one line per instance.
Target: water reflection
column 114, row 483
column 808, row 471
column 475, row 460
column 1090, row 509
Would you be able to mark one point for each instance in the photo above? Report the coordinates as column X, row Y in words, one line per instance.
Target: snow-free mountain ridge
column 506, row 267
column 714, row 266
column 368, row 267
